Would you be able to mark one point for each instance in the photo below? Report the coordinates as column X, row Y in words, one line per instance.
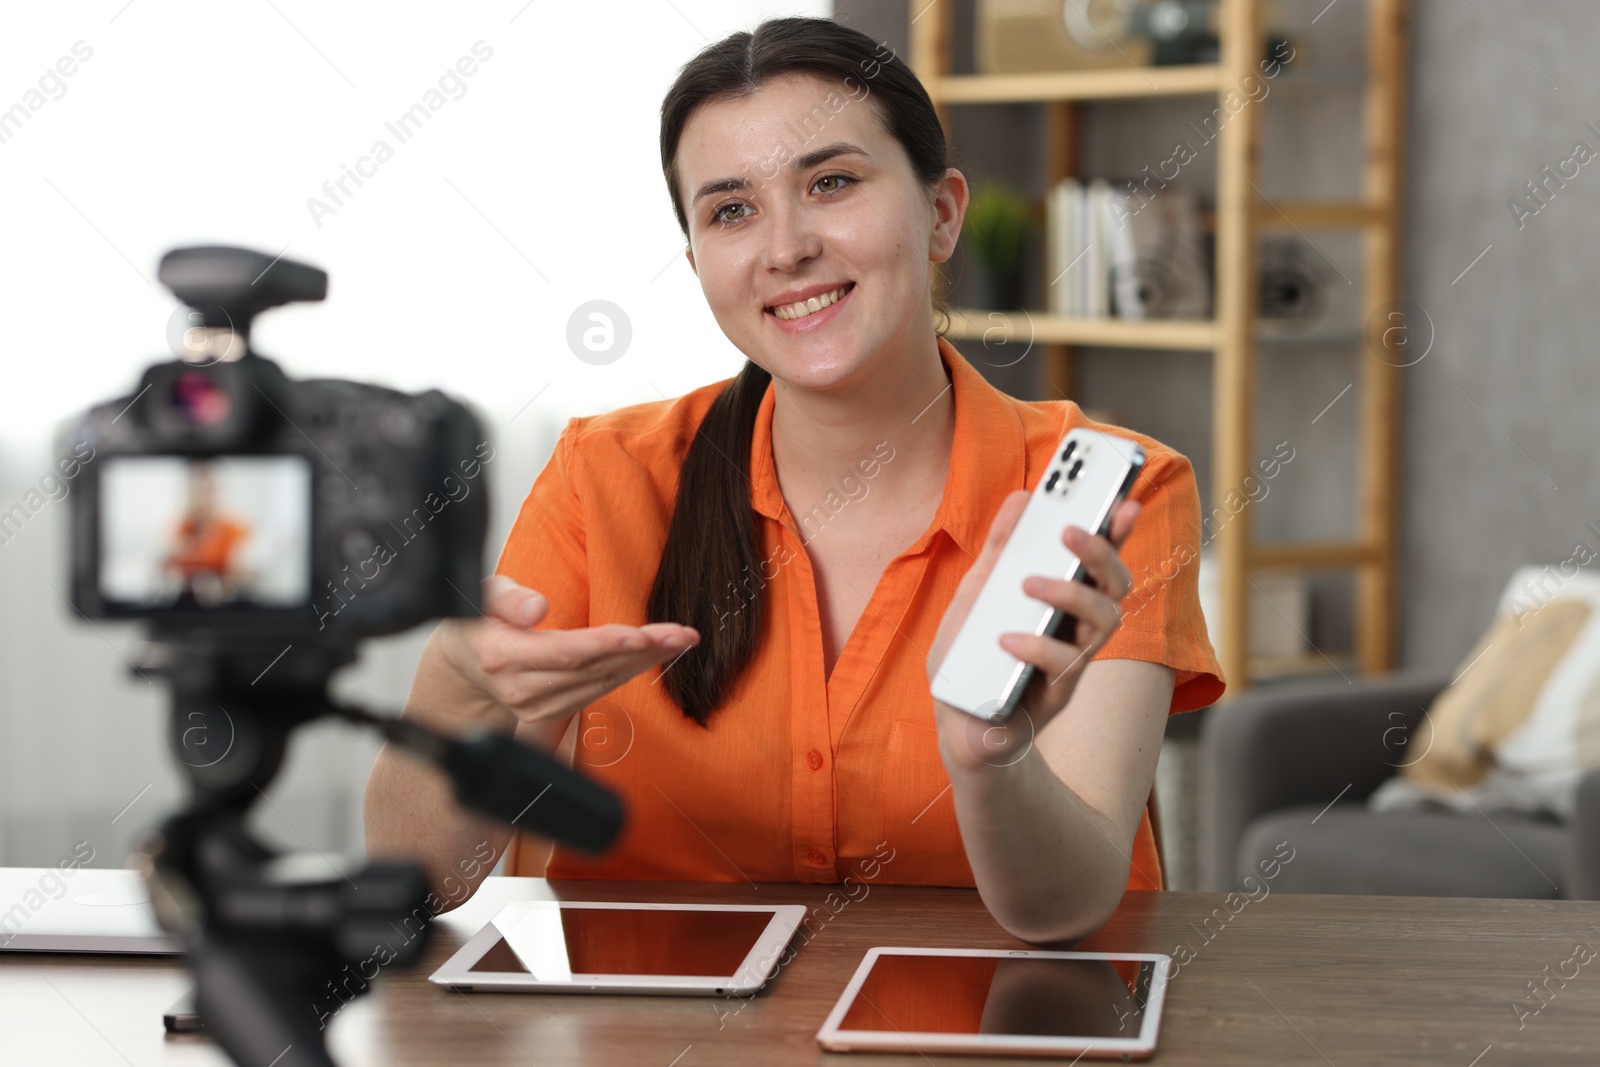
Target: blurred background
column 1384, row 151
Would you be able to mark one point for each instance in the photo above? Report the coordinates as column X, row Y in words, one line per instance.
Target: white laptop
column 83, row 909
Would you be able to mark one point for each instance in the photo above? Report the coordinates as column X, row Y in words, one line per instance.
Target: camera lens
column 1055, row 476
column 199, row 400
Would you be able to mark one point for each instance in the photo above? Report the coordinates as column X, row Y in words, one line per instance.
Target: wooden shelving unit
column 1242, row 213
column 1076, row 85
column 1185, row 335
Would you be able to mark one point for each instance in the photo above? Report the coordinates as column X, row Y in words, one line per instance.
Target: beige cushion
column 1520, row 722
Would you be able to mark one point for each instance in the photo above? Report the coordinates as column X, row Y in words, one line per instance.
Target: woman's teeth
column 801, row 308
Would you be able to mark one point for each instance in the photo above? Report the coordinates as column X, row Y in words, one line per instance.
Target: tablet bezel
column 753, row 971
column 834, row 1039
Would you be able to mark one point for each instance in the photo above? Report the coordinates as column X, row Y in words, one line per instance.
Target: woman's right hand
column 547, row 676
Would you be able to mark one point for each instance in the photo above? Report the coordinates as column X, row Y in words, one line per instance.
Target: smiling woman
column 792, row 739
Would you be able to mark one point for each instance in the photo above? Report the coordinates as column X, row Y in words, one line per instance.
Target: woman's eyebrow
column 805, row 162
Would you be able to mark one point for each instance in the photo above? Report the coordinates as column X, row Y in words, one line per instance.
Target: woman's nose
column 792, row 237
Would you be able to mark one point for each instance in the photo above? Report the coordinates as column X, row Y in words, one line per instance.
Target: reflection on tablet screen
column 553, row 943
column 992, row 995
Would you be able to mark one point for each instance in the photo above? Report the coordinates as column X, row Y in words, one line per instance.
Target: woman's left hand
column 968, row 741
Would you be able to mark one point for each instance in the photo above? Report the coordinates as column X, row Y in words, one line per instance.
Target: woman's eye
column 724, row 216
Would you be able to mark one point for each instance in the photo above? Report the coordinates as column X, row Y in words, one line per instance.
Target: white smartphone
column 1089, row 475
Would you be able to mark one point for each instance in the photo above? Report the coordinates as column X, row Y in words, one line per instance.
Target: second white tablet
column 552, row 946
column 1001, row 1002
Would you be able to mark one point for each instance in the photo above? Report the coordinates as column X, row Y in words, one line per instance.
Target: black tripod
column 265, row 948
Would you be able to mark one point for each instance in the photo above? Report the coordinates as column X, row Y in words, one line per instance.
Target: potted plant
column 997, row 226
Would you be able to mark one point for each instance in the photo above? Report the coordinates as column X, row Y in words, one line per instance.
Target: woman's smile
column 804, row 310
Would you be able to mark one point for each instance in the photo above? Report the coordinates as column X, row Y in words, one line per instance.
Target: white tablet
column 1001, row 1002
column 568, row 946
column 78, row 909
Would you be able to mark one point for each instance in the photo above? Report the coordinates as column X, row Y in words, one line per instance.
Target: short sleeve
column 545, row 550
column 1161, row 617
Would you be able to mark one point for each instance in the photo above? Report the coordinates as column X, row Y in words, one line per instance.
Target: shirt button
column 817, row 856
column 815, row 759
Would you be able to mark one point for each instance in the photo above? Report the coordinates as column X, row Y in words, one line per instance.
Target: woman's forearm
column 411, row 814
column 1046, row 863
column 410, row 810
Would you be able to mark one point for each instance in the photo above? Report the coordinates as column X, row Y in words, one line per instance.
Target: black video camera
column 225, row 496
column 262, row 527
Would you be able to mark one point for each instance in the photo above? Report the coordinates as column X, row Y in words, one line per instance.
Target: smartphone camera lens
column 1076, row 467
column 1050, row 484
column 1072, row 446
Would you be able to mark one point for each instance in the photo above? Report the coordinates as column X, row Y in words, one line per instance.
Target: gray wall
column 1516, row 335
column 1499, row 90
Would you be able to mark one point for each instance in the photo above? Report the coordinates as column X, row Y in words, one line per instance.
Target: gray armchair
column 1274, row 761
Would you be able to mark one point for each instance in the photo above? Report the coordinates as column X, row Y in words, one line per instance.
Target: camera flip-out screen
column 206, row 532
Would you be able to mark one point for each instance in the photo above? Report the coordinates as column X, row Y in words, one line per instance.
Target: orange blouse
column 802, row 777
column 206, row 546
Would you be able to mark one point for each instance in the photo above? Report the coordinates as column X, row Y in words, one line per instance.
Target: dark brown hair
column 711, row 554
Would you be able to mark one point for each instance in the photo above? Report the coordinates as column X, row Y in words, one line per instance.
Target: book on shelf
column 1114, row 249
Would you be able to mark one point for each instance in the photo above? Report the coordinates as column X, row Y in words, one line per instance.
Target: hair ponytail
column 711, row 545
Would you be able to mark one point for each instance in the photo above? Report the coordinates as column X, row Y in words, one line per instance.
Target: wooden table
column 1282, row 979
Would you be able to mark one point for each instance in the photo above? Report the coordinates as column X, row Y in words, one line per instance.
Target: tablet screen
column 1083, row 998
column 552, row 943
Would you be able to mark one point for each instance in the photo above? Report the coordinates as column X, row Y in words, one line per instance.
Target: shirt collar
column 988, row 458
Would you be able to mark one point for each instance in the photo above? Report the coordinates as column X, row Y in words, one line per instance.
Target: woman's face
column 796, row 196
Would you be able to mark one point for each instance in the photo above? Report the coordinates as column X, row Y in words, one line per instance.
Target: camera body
column 224, row 496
